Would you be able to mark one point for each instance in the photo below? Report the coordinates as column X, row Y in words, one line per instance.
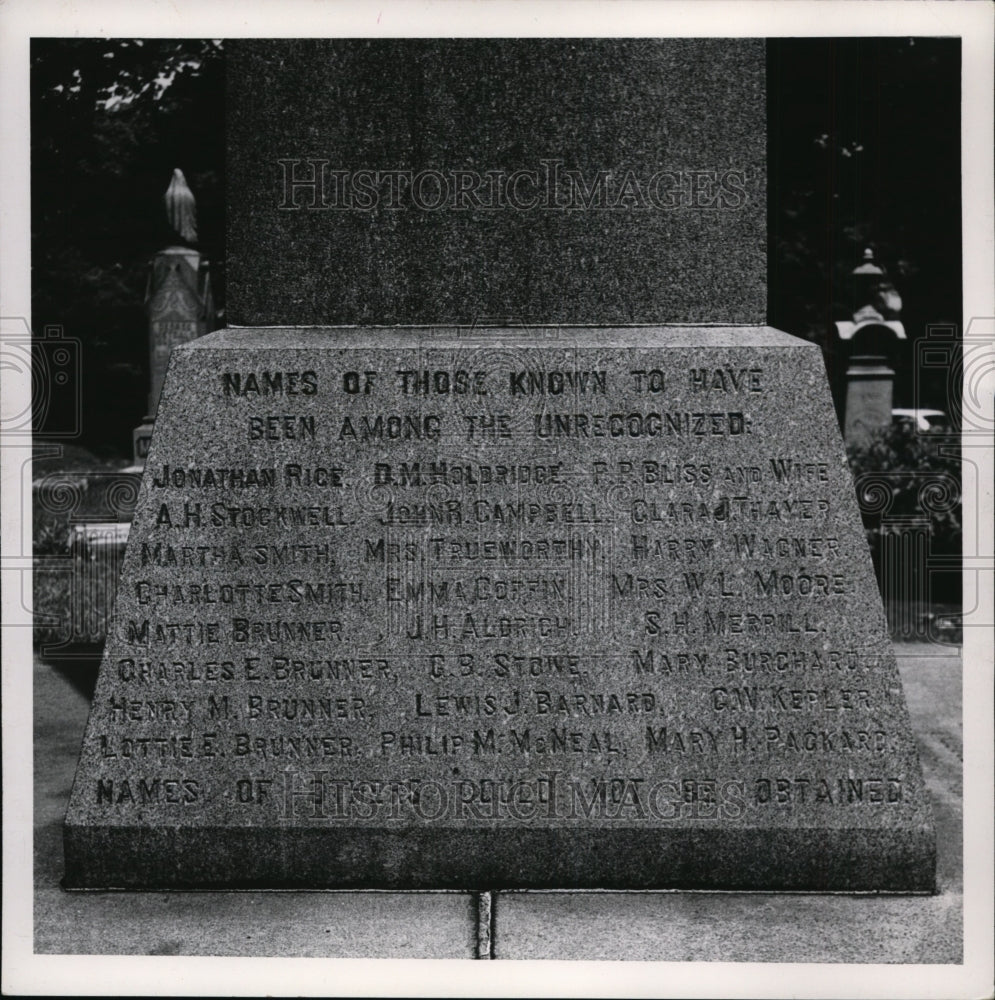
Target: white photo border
column 30, row 974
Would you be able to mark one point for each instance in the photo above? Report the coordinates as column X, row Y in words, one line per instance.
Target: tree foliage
column 902, row 473
column 906, row 478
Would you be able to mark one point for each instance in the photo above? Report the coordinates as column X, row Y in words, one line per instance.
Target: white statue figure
column 181, row 209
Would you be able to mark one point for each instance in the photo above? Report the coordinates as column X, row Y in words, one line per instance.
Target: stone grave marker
column 180, row 306
column 869, row 342
column 179, row 300
column 587, row 608
column 487, row 607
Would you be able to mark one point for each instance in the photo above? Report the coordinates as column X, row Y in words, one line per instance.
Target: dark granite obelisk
column 570, row 603
column 464, row 180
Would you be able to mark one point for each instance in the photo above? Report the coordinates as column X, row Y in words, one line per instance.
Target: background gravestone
column 179, row 300
column 870, row 341
column 498, row 607
column 180, row 307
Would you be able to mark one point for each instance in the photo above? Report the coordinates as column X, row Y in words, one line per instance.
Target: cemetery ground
column 644, row 925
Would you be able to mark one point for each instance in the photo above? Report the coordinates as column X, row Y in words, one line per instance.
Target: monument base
column 457, row 858
column 556, row 608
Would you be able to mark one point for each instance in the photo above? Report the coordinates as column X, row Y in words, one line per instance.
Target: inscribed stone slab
column 463, row 608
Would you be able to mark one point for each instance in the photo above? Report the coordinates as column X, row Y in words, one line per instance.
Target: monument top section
column 181, row 208
column 427, row 181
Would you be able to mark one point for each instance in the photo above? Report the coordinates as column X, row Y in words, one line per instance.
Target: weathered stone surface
column 576, row 608
column 586, row 181
column 180, row 309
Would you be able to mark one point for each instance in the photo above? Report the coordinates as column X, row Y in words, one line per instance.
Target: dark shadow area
column 105, row 139
column 81, row 673
column 863, row 150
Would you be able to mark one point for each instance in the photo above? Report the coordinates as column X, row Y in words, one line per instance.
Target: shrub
column 908, row 483
column 903, row 473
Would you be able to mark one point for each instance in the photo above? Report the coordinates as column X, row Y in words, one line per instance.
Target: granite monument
column 455, row 180
column 869, row 342
column 497, row 606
